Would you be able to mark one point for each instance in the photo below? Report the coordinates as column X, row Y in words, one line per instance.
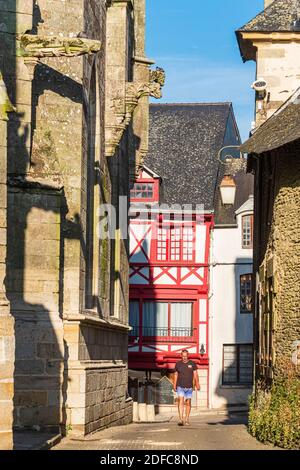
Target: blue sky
column 194, row 41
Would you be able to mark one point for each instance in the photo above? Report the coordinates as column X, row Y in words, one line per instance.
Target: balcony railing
column 164, row 334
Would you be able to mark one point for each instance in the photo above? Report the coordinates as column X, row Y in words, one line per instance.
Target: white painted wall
column 279, row 64
column 227, row 324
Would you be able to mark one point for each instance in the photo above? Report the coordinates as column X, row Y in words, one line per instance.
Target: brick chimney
column 268, row 2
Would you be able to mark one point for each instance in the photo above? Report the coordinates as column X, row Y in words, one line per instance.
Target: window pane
column 175, row 237
column 246, row 293
column 181, row 319
column 246, row 364
column 188, row 243
column 134, row 317
column 142, row 191
column 162, row 244
column 247, row 231
column 230, row 364
column 155, row 319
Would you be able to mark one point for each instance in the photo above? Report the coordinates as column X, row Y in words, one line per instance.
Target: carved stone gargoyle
column 123, row 108
column 30, row 45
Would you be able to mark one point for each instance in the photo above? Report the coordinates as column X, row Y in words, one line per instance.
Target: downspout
column 211, row 316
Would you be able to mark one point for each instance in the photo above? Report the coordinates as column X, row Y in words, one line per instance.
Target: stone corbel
column 123, row 109
column 30, row 45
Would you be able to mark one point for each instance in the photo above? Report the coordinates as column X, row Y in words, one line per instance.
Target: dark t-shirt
column 185, row 373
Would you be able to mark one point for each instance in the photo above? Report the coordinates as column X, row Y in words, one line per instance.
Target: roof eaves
column 147, row 169
column 291, row 100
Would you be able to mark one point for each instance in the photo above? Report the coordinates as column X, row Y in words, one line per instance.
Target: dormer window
column 145, row 188
column 247, row 231
column 142, row 191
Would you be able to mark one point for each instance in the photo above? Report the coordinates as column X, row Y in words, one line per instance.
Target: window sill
column 240, row 386
column 89, row 317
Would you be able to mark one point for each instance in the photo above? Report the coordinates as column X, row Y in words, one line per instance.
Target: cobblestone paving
column 207, row 432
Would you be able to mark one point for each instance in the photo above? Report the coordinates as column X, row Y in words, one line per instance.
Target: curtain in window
column 155, row 319
column 134, row 317
column 181, row 319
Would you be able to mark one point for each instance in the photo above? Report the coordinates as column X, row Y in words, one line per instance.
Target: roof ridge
column 256, row 16
column 217, row 103
column 261, row 22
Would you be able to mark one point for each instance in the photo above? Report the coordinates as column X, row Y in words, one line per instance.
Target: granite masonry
column 272, row 39
column 74, row 93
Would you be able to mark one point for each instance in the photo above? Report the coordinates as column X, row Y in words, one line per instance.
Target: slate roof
column 183, row 149
column 247, row 206
column 281, row 15
column 280, row 129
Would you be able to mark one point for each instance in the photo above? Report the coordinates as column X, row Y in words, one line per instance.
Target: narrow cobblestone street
column 149, row 230
column 207, row 432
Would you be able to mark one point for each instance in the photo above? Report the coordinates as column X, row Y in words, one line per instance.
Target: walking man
column 185, row 375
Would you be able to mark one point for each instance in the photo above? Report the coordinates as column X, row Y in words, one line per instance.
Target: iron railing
column 167, row 334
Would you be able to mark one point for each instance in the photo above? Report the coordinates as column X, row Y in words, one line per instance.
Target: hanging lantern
column 228, row 190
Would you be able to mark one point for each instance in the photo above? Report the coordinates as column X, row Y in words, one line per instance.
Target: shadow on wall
column 118, row 167
column 37, row 228
column 140, row 323
column 154, row 327
column 237, row 386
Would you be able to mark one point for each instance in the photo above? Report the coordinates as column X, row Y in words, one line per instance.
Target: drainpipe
column 211, row 317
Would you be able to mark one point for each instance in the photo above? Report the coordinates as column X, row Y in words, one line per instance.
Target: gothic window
column 90, row 256
column 247, row 231
column 246, row 293
column 237, row 364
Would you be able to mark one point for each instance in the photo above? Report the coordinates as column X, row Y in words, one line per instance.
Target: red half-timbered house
column 172, row 205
